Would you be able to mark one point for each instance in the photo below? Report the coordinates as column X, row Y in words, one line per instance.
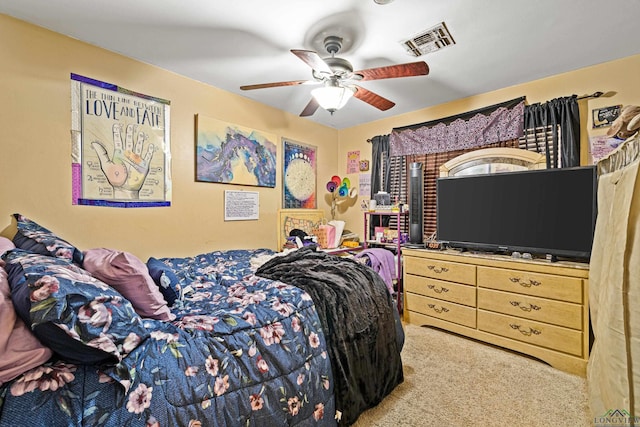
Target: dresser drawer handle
column 438, row 291
column 525, row 307
column 438, row 310
column 437, row 270
column 531, row 331
column 525, row 283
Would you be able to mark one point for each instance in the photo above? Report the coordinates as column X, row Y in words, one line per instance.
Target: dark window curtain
column 379, row 177
column 561, row 115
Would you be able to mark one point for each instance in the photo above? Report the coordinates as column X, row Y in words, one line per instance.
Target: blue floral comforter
column 243, row 351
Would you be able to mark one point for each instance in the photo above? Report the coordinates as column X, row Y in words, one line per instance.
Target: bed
column 226, row 338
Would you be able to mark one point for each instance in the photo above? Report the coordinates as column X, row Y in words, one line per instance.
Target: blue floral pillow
column 76, row 315
column 165, row 278
column 35, row 238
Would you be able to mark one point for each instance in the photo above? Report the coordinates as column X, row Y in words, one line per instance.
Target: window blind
column 540, row 140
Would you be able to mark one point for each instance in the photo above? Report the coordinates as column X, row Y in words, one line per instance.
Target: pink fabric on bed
column 5, row 245
column 20, row 350
column 128, row 275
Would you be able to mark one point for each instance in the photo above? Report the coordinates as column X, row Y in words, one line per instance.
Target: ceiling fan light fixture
column 382, row 1
column 332, row 97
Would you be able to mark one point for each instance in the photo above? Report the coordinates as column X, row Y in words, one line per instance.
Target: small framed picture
column 605, row 116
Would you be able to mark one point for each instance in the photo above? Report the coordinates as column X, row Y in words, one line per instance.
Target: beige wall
column 617, row 79
column 35, row 162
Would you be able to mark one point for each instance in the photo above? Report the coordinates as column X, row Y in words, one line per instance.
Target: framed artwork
column 605, row 116
column 232, row 154
column 299, row 175
column 120, row 155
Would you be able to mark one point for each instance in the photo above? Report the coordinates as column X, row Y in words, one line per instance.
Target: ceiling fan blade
column 311, row 108
column 275, row 84
column 374, row 99
column 313, row 60
column 419, row 68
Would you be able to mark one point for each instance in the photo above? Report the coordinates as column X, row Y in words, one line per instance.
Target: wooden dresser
column 535, row 307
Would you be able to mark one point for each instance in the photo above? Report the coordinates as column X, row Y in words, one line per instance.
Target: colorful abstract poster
column 232, row 154
column 299, row 176
column 120, row 146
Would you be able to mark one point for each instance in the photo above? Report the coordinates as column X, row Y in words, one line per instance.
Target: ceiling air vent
column 433, row 39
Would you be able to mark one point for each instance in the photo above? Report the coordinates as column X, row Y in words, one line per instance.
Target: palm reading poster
column 120, row 146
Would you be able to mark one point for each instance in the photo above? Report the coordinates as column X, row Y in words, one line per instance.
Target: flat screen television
column 542, row 212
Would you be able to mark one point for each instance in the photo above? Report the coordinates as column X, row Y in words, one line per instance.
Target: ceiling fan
column 339, row 81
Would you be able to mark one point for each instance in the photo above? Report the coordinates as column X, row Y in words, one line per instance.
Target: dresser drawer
column 544, row 310
column 444, row 310
column 529, row 331
column 443, row 270
column 448, row 291
column 535, row 284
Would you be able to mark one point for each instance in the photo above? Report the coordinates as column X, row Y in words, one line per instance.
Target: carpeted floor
column 454, row 381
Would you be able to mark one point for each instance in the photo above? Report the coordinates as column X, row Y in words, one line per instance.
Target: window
column 399, row 177
column 538, row 139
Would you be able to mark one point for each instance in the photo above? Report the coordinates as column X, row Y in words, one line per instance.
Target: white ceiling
column 229, row 43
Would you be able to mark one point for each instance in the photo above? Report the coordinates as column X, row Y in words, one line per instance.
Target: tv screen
column 543, row 212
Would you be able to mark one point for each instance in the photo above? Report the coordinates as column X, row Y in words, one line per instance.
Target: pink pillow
column 20, row 350
column 5, row 245
column 128, row 275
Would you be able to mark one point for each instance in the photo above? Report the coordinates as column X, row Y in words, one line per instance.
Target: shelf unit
column 394, row 247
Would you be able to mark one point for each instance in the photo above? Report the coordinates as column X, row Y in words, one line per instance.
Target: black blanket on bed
column 360, row 322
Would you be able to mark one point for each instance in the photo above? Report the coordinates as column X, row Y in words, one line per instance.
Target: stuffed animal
column 634, row 124
column 627, row 123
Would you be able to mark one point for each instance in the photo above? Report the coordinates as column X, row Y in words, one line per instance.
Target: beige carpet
column 454, row 381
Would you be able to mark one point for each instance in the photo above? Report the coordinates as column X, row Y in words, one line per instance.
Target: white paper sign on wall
column 241, row 205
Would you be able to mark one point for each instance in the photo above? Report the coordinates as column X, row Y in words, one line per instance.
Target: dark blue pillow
column 165, row 278
column 33, row 237
column 79, row 317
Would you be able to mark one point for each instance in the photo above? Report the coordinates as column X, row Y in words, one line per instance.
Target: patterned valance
column 500, row 122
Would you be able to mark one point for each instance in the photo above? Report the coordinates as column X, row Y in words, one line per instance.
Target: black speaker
column 416, row 207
